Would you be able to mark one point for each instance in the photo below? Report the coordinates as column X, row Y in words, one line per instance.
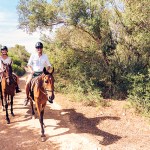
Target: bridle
column 46, row 91
column 6, row 73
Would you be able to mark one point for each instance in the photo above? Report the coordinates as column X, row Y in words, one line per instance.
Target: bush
column 18, row 70
column 139, row 95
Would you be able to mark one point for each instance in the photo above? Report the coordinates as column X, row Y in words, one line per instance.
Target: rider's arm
column 30, row 63
column 48, row 65
column 30, row 69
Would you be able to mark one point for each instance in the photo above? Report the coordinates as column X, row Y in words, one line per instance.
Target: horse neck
column 8, row 69
column 40, row 81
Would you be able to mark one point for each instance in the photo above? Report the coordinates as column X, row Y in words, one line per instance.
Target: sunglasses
column 39, row 47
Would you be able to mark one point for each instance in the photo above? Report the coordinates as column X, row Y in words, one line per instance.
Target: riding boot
column 17, row 89
column 27, row 94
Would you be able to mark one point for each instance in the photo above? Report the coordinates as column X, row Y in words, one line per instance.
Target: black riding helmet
column 4, row 48
column 38, row 45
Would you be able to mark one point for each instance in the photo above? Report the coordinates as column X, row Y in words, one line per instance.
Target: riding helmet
column 4, row 48
column 39, row 44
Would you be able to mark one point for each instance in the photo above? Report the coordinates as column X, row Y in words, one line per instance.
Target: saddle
column 14, row 79
column 33, row 82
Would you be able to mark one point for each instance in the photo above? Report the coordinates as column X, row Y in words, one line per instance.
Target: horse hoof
column 43, row 139
column 12, row 114
column 3, row 109
column 33, row 117
column 8, row 121
column 44, row 125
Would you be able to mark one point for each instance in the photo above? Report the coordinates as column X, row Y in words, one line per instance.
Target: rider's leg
column 27, row 88
column 17, row 82
column 17, row 89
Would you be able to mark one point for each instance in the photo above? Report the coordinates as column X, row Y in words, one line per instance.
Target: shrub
column 139, row 95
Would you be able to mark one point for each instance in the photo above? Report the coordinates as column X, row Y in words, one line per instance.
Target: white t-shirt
column 5, row 61
column 38, row 62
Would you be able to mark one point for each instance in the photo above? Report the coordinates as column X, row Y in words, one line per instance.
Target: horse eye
column 46, row 81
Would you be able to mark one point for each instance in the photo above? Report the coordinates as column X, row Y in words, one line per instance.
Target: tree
column 134, row 26
column 20, row 58
column 89, row 16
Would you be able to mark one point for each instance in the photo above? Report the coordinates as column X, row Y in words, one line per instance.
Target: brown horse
column 42, row 90
column 8, row 86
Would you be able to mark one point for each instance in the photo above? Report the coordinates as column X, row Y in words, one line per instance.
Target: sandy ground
column 72, row 126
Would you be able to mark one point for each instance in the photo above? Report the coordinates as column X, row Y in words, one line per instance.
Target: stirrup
column 18, row 91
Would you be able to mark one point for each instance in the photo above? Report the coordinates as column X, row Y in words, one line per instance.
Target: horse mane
column 10, row 69
column 9, row 66
column 40, row 81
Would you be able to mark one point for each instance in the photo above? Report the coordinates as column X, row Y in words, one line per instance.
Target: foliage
column 98, row 48
column 139, row 95
column 35, row 14
column 19, row 57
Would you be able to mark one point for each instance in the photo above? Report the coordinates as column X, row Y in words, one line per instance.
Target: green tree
column 20, row 58
column 92, row 17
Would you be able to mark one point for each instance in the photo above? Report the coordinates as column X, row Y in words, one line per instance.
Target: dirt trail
column 72, row 126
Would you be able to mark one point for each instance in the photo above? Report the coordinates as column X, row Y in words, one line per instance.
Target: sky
column 10, row 35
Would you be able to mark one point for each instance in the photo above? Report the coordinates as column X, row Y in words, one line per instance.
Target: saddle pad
column 33, row 82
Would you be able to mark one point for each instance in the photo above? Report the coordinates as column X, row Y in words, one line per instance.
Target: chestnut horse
column 42, row 90
column 8, row 86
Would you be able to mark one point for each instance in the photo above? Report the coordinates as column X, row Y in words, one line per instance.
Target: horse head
column 48, row 83
column 7, row 71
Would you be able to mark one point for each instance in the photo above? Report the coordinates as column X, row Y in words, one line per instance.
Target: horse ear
column 11, row 62
column 44, row 70
column 52, row 70
column 2, row 62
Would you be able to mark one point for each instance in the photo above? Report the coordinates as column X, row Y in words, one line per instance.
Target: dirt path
column 71, row 126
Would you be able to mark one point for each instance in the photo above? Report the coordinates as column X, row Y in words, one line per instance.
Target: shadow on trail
column 89, row 125
column 78, row 123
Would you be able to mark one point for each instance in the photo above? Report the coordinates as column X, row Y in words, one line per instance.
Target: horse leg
column 42, row 126
column 32, row 109
column 6, row 109
column 11, row 103
column 3, row 108
column 40, row 113
column 2, row 100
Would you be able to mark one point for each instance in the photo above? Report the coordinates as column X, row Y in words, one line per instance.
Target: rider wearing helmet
column 4, row 48
column 7, row 60
column 36, row 63
column 38, row 44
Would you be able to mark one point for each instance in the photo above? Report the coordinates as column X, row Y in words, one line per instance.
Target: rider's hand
column 32, row 72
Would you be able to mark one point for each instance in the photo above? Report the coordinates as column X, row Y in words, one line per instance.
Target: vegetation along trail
column 72, row 126
column 100, row 50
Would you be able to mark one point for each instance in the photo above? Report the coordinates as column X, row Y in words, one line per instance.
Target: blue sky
column 9, row 34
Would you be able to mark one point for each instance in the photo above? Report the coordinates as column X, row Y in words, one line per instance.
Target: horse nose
column 51, row 97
